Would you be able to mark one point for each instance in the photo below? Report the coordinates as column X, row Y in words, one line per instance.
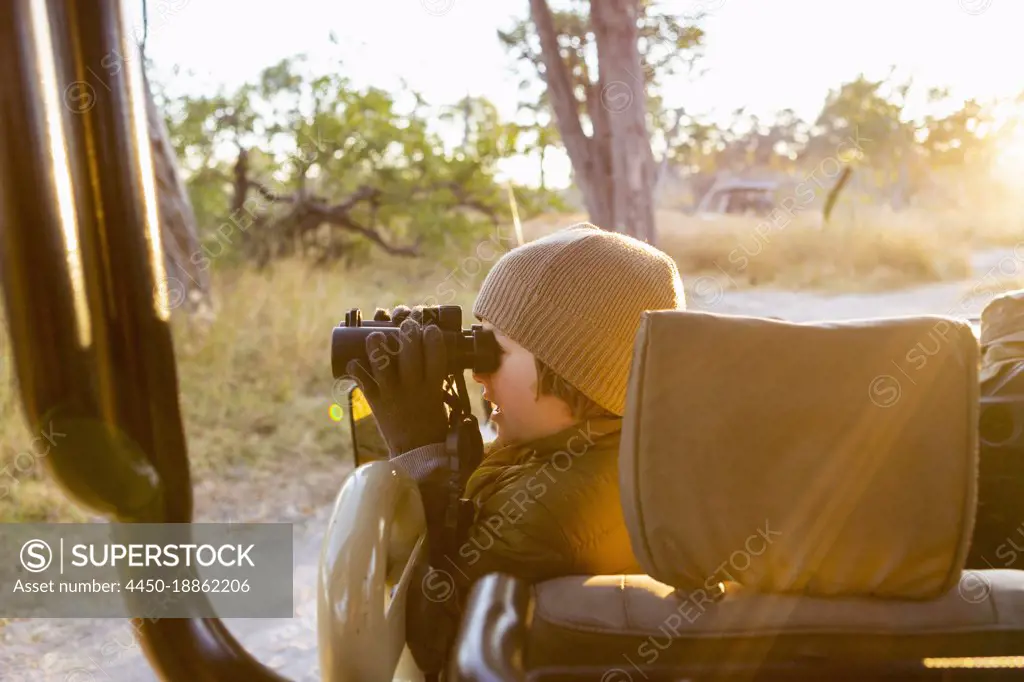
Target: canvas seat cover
column 822, row 459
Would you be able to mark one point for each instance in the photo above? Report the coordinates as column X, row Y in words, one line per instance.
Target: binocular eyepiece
column 474, row 348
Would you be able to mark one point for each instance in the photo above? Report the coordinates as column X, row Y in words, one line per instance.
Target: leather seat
column 798, row 494
column 617, row 621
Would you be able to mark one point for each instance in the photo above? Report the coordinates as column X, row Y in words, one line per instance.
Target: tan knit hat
column 574, row 299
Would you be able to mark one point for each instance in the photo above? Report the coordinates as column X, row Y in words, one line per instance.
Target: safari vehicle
column 808, row 501
column 734, row 196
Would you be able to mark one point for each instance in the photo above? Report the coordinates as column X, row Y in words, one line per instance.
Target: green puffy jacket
column 550, row 507
column 545, row 508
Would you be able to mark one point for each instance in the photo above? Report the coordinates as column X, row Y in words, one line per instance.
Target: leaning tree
column 601, row 68
column 188, row 284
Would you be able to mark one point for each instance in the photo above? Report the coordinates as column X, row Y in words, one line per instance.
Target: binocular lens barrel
column 475, row 349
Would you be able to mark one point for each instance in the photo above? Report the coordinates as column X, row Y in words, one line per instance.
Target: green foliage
column 953, row 140
column 862, row 124
column 333, row 170
column 864, row 108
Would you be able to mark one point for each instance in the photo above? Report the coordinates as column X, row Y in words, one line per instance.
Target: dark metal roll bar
column 85, row 292
column 492, row 638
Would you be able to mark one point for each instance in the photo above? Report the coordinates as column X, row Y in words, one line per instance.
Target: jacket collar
column 502, row 460
column 588, row 429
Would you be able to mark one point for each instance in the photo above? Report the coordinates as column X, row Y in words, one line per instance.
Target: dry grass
column 873, row 250
column 256, row 386
column 800, row 254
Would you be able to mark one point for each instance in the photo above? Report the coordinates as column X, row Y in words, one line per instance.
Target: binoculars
column 474, row 348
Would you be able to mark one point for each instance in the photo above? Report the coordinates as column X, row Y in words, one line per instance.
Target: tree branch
column 309, row 212
column 269, row 194
column 346, row 221
column 364, row 193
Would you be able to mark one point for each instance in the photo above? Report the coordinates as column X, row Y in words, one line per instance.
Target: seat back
column 825, row 459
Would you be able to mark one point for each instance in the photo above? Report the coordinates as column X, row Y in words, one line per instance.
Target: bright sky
column 765, row 55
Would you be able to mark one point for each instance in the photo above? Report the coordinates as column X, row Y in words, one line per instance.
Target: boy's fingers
column 434, row 355
column 399, row 314
column 356, row 371
column 381, row 315
column 383, row 352
column 410, row 365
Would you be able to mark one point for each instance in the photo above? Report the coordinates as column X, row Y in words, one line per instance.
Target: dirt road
column 957, row 299
column 103, row 651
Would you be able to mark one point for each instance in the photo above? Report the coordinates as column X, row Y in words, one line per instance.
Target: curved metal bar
column 375, row 540
column 41, row 266
column 492, row 638
column 102, row 93
column 84, row 293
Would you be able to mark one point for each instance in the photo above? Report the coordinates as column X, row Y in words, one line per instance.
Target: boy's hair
column 550, row 383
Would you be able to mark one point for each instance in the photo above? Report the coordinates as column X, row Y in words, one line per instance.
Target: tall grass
column 871, row 250
column 255, row 384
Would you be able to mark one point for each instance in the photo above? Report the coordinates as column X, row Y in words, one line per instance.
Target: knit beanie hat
column 575, row 298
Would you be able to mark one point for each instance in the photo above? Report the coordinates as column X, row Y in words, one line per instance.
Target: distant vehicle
column 738, row 197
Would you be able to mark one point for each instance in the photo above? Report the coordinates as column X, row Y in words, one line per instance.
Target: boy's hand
column 404, row 382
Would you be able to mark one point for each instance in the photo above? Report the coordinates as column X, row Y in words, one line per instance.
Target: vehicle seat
column 802, row 498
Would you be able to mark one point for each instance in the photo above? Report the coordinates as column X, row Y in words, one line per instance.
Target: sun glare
column 1011, row 157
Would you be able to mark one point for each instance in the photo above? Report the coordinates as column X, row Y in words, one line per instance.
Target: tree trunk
column 591, row 175
column 613, row 167
column 625, row 106
column 188, row 284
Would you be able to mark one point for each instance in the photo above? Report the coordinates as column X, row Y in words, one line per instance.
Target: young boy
column 565, row 310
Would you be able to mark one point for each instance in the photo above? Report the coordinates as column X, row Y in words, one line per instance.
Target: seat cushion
column 634, row 619
column 821, row 459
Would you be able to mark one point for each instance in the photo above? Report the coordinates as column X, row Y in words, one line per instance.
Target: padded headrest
column 828, row 459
